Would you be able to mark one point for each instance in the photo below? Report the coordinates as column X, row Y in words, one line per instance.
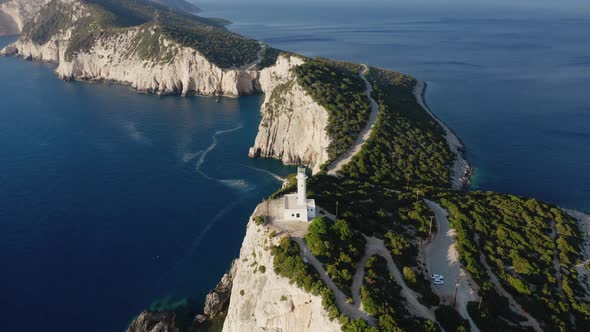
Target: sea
column 112, row 201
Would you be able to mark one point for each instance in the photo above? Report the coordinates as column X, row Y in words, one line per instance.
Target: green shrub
column 259, row 220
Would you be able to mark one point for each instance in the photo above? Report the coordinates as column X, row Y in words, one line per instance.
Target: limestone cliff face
column 18, row 11
column 162, row 67
column 261, row 300
column 293, row 126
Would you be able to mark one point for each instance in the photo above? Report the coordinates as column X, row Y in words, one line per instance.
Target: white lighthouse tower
column 297, row 206
column 301, row 186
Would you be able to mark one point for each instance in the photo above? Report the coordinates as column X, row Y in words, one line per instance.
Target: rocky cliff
column 293, row 125
column 141, row 56
column 261, row 300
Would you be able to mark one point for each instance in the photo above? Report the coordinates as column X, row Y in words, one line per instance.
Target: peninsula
column 398, row 242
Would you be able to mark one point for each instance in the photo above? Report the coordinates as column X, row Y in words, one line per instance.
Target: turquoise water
column 510, row 81
column 105, row 203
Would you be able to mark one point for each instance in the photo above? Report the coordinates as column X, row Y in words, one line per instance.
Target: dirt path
column 341, row 299
column 336, row 166
column 251, row 65
column 442, row 258
column 532, row 322
column 359, row 277
column 374, row 247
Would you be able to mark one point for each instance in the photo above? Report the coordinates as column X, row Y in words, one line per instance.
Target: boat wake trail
column 238, row 184
column 277, row 177
column 202, row 155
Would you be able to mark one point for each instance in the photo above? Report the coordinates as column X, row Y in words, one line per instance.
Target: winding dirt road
column 532, row 322
column 374, row 247
column 341, row 300
column 336, row 166
column 251, row 65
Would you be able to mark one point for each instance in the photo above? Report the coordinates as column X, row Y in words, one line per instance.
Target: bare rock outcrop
column 217, row 300
column 261, row 300
column 154, row 321
column 293, row 125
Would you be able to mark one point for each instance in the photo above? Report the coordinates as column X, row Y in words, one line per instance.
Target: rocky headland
column 314, row 116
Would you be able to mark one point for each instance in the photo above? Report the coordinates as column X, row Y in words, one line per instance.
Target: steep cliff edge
column 261, row 300
column 89, row 42
column 293, row 125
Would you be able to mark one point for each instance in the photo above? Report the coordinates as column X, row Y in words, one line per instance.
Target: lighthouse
column 301, row 186
column 297, row 206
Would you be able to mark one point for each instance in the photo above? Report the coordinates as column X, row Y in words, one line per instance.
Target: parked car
column 438, row 282
column 437, row 276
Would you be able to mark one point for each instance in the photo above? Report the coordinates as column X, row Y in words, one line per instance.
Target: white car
column 438, row 282
column 437, row 277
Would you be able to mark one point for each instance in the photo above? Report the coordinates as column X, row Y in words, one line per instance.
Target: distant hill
column 180, row 5
column 90, row 21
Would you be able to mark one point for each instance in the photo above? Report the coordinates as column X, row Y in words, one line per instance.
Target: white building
column 297, row 206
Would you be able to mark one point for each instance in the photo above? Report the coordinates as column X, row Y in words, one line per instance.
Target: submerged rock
column 153, row 321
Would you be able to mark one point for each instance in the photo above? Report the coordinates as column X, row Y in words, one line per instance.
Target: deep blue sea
column 111, row 200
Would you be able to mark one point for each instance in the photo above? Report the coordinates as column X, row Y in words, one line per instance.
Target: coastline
column 461, row 172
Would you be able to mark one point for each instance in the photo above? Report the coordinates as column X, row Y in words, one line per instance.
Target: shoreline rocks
column 217, row 300
column 152, row 321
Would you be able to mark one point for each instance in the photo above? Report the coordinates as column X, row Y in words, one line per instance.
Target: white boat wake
column 238, row 184
column 277, row 177
column 202, row 156
column 204, row 153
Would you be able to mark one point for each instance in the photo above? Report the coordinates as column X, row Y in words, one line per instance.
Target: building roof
column 292, row 203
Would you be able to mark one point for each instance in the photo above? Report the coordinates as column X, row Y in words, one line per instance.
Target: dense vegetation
column 338, row 247
column 407, row 146
column 338, row 88
column 382, row 299
column 288, row 263
column 208, row 36
column 269, row 57
column 450, row 319
column 529, row 245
